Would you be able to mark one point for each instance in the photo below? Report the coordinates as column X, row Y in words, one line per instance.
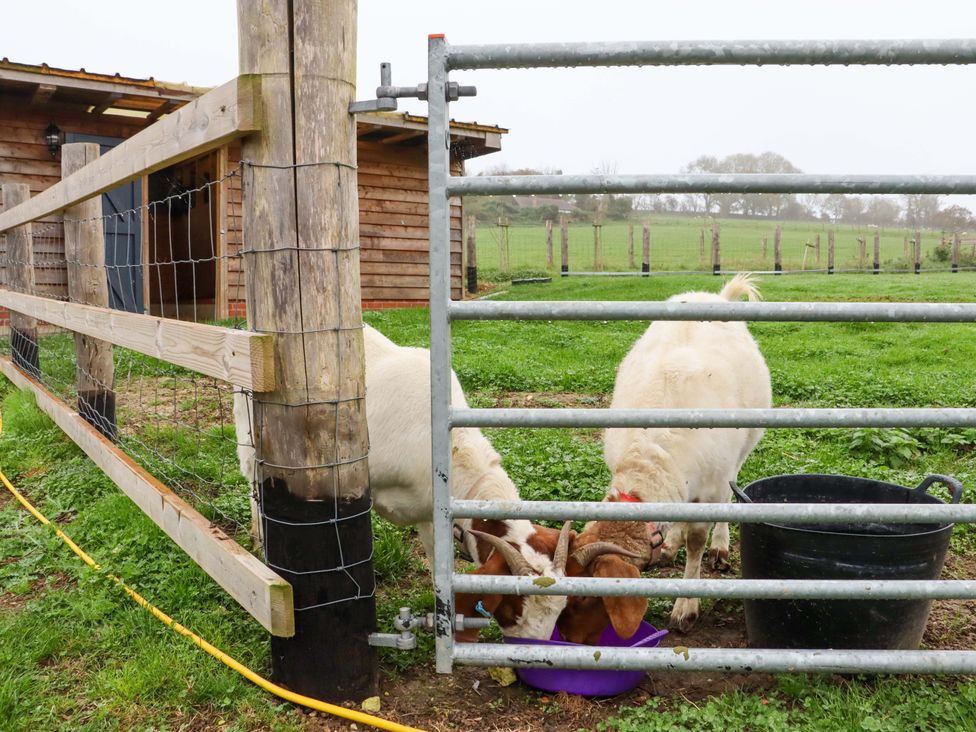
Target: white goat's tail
column 743, row 284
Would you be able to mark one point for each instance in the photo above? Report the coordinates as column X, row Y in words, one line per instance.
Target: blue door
column 123, row 235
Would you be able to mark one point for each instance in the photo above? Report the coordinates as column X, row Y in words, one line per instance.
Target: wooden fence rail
column 240, row 357
column 227, row 112
column 259, row 590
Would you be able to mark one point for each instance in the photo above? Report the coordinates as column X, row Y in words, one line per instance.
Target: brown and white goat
column 687, row 364
column 398, row 420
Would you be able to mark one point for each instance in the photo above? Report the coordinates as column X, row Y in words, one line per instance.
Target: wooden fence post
column 918, row 252
column 301, row 227
column 503, row 260
column 955, row 253
column 597, row 247
column 563, row 247
column 646, row 251
column 778, row 251
column 20, row 274
column 84, row 252
column 816, row 248
column 716, row 250
column 630, row 247
column 907, row 255
column 877, row 252
column 472, row 246
column 765, row 246
column 548, row 243
column 701, row 246
column 862, row 253
column 830, row 251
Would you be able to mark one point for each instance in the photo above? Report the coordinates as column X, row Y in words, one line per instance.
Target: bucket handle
column 743, row 498
column 954, row 486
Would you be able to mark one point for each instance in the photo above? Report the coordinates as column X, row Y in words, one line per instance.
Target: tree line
column 922, row 211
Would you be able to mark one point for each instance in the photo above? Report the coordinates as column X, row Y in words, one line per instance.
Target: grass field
column 675, row 246
column 76, row 654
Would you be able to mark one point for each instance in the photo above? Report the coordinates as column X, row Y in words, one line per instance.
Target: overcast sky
column 828, row 120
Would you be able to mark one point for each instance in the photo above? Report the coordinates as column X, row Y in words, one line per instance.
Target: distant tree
column 745, row 204
column 881, row 211
column 955, row 219
column 921, row 210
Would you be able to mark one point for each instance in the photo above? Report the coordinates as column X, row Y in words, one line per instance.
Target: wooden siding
column 392, row 209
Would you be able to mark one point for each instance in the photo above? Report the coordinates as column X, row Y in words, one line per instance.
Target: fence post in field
column 597, row 247
column 955, row 253
column 765, row 246
column 816, row 248
column 630, row 246
column 503, row 261
column 918, row 252
column 20, row 274
column 861, row 251
column 301, row 229
column 84, row 253
column 716, row 250
column 701, row 246
column 877, row 252
column 646, row 251
column 563, row 246
column 830, row 252
column 472, row 273
column 548, row 243
column 778, row 250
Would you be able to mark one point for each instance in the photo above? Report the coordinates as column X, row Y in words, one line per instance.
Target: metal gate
column 444, row 58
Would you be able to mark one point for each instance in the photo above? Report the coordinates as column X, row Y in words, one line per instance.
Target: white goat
column 398, row 420
column 690, row 364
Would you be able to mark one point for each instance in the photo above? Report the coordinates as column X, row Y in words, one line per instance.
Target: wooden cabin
column 174, row 244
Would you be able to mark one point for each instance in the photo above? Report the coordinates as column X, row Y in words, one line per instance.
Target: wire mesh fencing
column 679, row 245
column 160, row 257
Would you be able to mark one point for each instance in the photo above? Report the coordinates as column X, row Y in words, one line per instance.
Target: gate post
column 563, row 246
column 646, row 251
column 20, row 275
column 548, row 243
column 716, row 249
column 84, row 253
column 778, row 250
column 301, row 231
column 472, row 246
column 830, row 252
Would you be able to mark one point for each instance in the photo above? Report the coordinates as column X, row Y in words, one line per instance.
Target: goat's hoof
column 684, row 615
column 667, row 555
column 719, row 560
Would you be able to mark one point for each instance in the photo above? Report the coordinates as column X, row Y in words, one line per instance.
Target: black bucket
column 840, row 551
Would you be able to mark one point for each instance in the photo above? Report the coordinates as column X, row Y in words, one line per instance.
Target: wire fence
column 176, row 423
column 686, row 245
column 164, row 257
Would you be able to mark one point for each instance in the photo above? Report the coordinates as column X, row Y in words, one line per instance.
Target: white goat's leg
column 673, row 541
column 426, row 533
column 718, row 553
column 685, row 611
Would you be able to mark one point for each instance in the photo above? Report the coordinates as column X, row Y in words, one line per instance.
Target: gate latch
column 387, row 94
column 406, row 622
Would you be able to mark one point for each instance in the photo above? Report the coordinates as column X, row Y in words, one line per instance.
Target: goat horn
column 561, row 555
column 588, row 553
column 517, row 564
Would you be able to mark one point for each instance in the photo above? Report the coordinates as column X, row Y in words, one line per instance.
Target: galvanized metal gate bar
column 712, row 53
column 770, row 589
column 744, row 660
column 779, row 513
column 493, row 185
column 443, row 58
column 714, row 418
column 825, row 312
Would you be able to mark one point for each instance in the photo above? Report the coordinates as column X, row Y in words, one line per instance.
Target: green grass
column 76, row 654
column 676, row 246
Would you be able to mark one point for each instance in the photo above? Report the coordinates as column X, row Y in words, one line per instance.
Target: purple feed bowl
column 589, row 682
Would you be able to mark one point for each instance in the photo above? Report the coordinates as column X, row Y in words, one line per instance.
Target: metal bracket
column 406, row 622
column 387, row 94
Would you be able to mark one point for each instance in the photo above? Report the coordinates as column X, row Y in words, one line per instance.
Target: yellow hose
column 243, row 670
